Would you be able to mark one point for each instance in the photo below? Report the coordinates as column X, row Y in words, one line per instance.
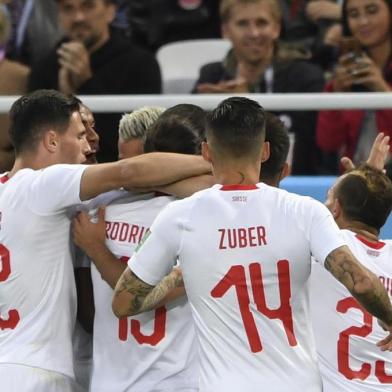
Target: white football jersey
column 346, row 335
column 37, row 290
column 153, row 351
column 245, row 256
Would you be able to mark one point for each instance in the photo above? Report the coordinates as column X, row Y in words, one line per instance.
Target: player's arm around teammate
column 91, row 237
column 132, row 294
column 364, row 286
column 152, row 169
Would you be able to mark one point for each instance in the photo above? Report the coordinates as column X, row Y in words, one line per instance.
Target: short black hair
column 195, row 114
column 179, row 129
column 365, row 195
column 34, row 113
column 237, row 127
column 277, row 135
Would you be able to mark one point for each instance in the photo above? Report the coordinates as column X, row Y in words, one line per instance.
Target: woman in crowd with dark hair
column 365, row 64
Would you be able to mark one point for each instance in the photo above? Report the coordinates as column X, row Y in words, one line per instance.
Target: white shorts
column 20, row 378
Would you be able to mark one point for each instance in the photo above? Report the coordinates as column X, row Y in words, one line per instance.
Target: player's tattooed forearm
column 337, row 263
column 131, row 284
column 162, row 289
column 362, row 283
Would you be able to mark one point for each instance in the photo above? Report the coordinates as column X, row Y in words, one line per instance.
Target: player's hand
column 379, row 154
column 177, row 275
column 347, row 164
column 87, row 234
column 386, row 343
column 74, row 57
column 323, row 9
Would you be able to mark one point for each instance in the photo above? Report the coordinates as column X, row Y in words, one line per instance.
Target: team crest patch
column 148, row 232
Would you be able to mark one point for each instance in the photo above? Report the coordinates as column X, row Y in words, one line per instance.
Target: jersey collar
column 238, row 187
column 4, row 178
column 371, row 244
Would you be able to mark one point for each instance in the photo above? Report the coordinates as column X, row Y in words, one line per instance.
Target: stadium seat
column 180, row 62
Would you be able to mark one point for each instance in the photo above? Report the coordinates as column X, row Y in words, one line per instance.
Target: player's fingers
column 76, row 231
column 382, row 325
column 386, row 343
column 76, row 219
column 378, row 139
column 101, row 213
column 83, row 217
column 385, row 142
column 347, row 163
column 384, row 145
column 379, row 151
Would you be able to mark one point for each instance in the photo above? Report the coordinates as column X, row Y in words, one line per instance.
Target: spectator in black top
column 96, row 59
column 257, row 64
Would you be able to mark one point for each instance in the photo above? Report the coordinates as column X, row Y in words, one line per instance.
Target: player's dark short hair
column 36, row 112
column 365, row 195
column 237, row 127
column 277, row 135
column 195, row 114
column 179, row 129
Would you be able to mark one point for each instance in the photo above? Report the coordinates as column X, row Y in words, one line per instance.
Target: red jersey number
column 152, row 339
column 236, row 278
column 343, row 346
column 135, row 328
column 13, row 318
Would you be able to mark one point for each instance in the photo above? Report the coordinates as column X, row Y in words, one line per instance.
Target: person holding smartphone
column 365, row 65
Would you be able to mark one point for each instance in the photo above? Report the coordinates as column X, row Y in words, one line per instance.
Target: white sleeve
column 158, row 251
column 324, row 233
column 56, row 188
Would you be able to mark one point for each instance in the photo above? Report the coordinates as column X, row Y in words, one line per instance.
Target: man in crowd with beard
column 94, row 58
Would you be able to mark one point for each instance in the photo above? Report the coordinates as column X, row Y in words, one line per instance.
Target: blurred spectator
column 318, row 10
column 326, row 15
column 13, row 81
column 364, row 65
column 156, row 22
column 95, row 59
column 256, row 63
column 306, row 23
column 296, row 27
column 35, row 29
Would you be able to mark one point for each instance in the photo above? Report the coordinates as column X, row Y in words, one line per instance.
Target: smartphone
column 351, row 48
column 351, row 53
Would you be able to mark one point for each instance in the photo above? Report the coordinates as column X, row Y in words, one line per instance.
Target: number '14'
column 236, row 277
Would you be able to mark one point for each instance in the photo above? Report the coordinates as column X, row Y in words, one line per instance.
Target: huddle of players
column 157, row 350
